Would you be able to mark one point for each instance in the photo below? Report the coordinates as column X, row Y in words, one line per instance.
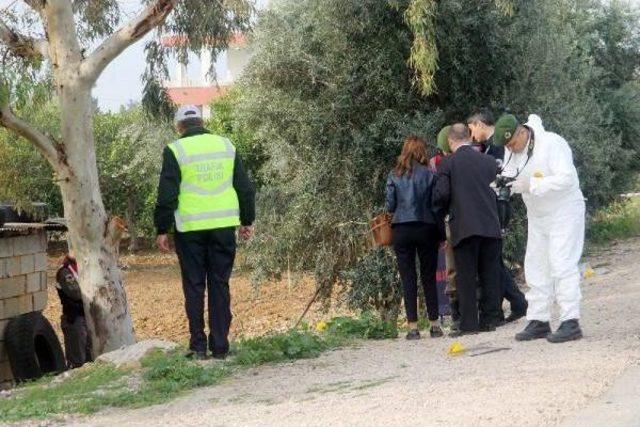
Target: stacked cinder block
column 23, row 282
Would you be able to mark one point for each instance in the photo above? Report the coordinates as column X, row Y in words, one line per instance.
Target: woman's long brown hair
column 414, row 150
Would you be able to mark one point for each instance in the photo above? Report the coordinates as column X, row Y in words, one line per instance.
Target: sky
column 120, row 83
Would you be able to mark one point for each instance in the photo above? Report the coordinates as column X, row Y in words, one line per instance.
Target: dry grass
column 154, row 291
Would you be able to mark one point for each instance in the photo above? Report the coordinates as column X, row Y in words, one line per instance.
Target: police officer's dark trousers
column 206, row 260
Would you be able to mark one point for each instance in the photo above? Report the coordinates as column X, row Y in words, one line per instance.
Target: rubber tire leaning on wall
column 32, row 347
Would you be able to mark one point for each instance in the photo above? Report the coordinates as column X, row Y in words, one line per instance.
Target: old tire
column 32, row 347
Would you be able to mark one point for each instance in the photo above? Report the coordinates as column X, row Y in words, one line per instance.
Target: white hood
column 535, row 122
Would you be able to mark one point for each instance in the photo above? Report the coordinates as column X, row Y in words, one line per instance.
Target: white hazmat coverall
column 556, row 217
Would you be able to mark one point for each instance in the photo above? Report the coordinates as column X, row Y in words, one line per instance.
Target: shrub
column 373, row 283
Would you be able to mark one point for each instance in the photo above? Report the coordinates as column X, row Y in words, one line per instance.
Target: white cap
column 187, row 112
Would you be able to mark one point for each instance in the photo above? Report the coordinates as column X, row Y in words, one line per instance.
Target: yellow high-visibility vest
column 207, row 199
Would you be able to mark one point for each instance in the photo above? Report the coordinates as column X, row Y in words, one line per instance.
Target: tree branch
column 23, row 46
column 42, row 142
column 152, row 16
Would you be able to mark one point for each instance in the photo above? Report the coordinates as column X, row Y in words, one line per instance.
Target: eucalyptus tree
column 69, row 43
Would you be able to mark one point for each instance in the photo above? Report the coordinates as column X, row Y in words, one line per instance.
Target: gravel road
column 399, row 383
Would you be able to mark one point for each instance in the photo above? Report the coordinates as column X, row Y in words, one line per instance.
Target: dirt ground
column 154, row 291
column 397, row 383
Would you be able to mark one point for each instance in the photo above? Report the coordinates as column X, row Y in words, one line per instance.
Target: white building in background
column 184, row 88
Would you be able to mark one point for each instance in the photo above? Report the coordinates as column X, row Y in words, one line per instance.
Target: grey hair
column 459, row 132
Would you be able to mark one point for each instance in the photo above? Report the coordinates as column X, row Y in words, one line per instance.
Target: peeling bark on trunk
column 93, row 239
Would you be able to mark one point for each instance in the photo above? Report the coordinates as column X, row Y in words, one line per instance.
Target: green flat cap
column 443, row 139
column 505, row 129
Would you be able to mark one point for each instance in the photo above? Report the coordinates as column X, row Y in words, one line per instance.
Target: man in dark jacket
column 482, row 126
column 205, row 192
column 463, row 187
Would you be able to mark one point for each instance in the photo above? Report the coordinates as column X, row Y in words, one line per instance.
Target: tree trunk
column 93, row 237
column 131, row 222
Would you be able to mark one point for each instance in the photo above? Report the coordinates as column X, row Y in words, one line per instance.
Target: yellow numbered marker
column 456, row 348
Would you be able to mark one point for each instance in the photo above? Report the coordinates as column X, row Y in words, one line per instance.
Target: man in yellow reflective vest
column 206, row 194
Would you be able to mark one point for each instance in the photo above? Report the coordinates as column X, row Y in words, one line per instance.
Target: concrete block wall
column 23, row 283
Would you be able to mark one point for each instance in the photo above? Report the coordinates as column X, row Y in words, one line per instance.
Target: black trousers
column 511, row 292
column 478, row 264
column 206, row 260
column 77, row 342
column 419, row 239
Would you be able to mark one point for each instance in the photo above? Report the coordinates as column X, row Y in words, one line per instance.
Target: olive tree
column 335, row 86
column 69, row 43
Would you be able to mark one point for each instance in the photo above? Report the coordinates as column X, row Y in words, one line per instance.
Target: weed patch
column 621, row 220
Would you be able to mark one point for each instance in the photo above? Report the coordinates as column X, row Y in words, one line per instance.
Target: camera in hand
column 504, row 190
column 504, row 194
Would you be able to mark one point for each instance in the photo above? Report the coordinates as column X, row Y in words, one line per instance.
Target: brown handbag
column 381, row 229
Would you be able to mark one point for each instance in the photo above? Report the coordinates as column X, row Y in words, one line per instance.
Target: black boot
column 514, row 316
column 196, row 355
column 460, row 333
column 436, row 331
column 518, row 314
column 569, row 330
column 534, row 330
column 488, row 327
column 413, row 334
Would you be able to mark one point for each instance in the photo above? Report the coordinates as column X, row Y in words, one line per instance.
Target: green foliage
column 618, row 221
column 374, row 284
column 165, row 376
column 278, row 347
column 24, row 174
column 420, row 16
column 367, row 326
column 304, row 344
column 99, row 386
column 128, row 149
column 225, row 121
column 87, row 391
column 329, row 98
column 328, row 94
column 129, row 152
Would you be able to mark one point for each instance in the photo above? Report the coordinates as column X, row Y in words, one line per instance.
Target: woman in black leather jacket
column 415, row 231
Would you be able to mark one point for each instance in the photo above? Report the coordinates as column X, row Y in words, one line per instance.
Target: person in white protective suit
column 541, row 164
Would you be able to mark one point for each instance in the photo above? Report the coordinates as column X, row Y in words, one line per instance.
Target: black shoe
column 487, row 327
column 569, row 330
column 534, row 330
column 413, row 334
column 196, row 355
column 219, row 355
column 514, row 316
column 436, row 331
column 459, row 333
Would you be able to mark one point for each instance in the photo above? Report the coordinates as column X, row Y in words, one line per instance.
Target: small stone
column 131, row 356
